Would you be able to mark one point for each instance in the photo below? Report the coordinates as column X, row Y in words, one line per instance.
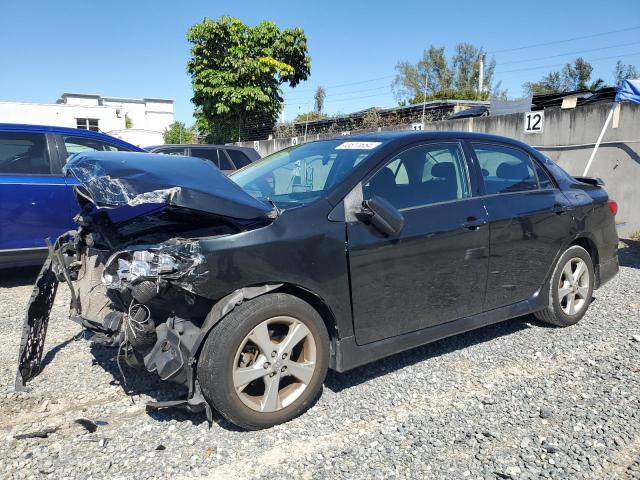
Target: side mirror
column 382, row 215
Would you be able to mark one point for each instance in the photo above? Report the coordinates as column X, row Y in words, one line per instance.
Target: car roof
column 197, row 145
column 409, row 136
column 23, row 127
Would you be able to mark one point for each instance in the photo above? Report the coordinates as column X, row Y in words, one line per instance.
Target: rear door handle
column 473, row 223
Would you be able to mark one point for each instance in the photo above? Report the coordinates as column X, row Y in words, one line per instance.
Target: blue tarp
column 629, row 90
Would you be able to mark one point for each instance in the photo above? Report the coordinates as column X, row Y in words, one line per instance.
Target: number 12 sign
column 533, row 122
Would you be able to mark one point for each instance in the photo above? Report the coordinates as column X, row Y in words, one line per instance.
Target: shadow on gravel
column 51, row 354
column 340, row 381
column 629, row 255
column 18, row 277
column 139, row 381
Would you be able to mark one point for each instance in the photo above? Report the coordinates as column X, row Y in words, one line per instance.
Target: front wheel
column 265, row 362
column 571, row 288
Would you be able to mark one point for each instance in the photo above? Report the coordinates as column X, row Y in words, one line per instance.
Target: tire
column 559, row 311
column 232, row 354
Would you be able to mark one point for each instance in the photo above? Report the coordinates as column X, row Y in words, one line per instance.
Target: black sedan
column 227, row 158
column 330, row 254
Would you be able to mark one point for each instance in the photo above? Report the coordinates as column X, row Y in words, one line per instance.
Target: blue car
column 36, row 200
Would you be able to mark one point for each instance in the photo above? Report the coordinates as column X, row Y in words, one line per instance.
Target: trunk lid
column 120, row 179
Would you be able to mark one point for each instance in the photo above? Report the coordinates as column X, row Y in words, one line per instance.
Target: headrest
column 512, row 171
column 443, row 170
column 384, row 177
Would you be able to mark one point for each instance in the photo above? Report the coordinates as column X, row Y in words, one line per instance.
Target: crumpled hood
column 116, row 179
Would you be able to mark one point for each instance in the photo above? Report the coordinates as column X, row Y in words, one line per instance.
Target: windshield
column 301, row 174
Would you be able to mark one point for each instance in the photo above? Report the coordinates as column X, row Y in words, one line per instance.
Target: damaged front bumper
column 140, row 299
column 34, row 329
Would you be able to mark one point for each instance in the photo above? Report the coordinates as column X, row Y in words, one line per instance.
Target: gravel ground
column 514, row 400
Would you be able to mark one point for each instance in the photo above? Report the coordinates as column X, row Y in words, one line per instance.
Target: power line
column 577, row 52
column 291, row 101
column 347, row 84
column 554, row 42
column 562, row 64
column 331, row 95
column 341, row 99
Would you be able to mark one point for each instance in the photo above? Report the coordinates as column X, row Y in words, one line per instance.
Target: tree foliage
column 236, row 72
column 318, row 98
column 309, row 116
column 454, row 78
column 178, row 132
column 573, row 76
column 624, row 72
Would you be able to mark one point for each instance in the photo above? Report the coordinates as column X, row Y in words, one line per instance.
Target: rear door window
column 24, row 153
column 215, row 155
column 171, row 151
column 75, row 144
column 505, row 169
column 239, row 159
column 208, row 153
column 225, row 163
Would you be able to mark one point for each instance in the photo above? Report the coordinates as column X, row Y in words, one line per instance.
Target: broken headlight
column 139, row 264
column 150, row 264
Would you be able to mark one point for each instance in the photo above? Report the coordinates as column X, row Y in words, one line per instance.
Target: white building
column 147, row 117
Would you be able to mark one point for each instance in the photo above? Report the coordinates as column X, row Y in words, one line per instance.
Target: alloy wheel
column 274, row 364
column 573, row 286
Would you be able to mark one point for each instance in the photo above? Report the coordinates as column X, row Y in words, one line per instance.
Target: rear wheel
column 265, row 363
column 571, row 288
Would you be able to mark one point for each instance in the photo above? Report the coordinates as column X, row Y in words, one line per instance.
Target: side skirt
column 351, row 355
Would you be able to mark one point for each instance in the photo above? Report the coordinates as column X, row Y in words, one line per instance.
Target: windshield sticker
column 358, row 145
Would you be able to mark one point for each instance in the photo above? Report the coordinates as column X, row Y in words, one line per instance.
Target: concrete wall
column 568, row 138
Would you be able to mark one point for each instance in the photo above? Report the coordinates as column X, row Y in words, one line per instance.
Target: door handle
column 473, row 223
column 559, row 209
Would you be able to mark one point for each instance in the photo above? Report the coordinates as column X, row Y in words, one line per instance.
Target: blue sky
column 138, row 48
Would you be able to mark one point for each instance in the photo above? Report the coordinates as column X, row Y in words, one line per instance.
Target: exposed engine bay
column 139, row 287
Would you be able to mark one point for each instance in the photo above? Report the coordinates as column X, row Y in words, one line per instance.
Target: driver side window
column 423, row 175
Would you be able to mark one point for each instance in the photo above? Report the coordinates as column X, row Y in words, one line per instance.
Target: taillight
column 613, row 206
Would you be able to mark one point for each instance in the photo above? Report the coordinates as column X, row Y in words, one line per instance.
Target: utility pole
column 424, row 99
column 306, row 124
column 481, row 76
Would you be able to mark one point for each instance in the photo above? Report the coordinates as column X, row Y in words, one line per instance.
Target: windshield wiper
column 275, row 207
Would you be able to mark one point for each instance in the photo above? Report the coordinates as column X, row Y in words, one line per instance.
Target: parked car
column 36, row 200
column 330, row 254
column 227, row 158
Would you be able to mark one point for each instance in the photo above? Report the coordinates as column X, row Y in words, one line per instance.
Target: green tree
column 178, row 132
column 236, row 73
column 573, row 76
column 550, row 83
column 319, row 97
column 624, row 72
column 456, row 78
column 578, row 76
column 371, row 119
column 309, row 116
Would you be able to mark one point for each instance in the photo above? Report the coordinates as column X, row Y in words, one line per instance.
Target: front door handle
column 473, row 223
column 559, row 209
